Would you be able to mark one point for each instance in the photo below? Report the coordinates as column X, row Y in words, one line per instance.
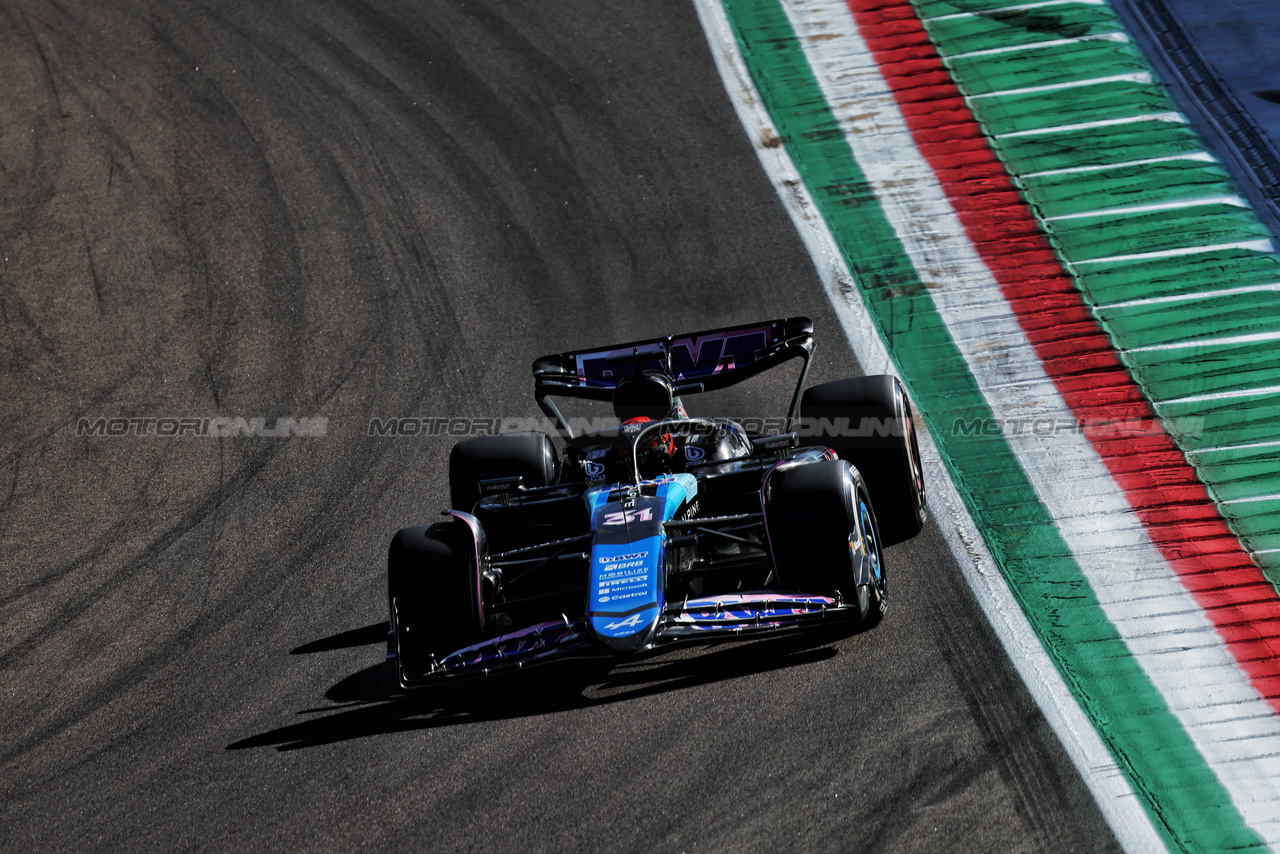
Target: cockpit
column 655, row 436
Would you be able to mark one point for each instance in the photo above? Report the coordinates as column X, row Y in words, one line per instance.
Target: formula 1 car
column 661, row 528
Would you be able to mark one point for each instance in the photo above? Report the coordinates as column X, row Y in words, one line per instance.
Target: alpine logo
column 629, row 622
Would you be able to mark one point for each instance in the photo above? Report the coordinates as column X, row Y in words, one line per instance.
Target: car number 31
column 624, row 517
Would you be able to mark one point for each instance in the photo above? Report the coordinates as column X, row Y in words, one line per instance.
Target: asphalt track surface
column 355, row 210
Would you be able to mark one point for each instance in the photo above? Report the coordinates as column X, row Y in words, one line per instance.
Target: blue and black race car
column 658, row 528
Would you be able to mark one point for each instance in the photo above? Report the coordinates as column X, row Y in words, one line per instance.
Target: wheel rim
column 872, row 544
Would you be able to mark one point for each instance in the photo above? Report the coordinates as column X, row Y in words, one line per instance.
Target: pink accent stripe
column 1078, row 356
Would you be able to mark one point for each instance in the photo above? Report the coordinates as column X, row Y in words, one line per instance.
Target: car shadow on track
column 369, row 703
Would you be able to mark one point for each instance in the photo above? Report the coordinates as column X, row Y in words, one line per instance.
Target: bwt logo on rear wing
column 694, row 361
column 686, row 357
column 691, row 358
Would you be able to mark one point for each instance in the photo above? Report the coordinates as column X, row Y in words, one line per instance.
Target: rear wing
column 695, row 362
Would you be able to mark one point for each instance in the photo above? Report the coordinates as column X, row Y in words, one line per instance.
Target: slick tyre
column 823, row 535
column 432, row 594
column 530, row 456
column 869, row 422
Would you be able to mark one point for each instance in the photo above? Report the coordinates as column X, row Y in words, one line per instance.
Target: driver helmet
column 656, row 451
column 646, row 396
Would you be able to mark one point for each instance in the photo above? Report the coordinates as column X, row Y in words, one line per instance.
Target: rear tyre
column 815, row 515
column 883, row 447
column 431, row 592
column 527, row 455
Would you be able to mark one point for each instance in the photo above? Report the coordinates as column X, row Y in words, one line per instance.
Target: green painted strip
column 1236, row 366
column 935, row 8
column 1142, row 184
column 1240, row 470
column 1185, row 275
column 1108, row 236
column 1073, row 61
column 1096, row 146
column 1254, row 519
column 1163, row 376
column 1232, row 421
column 1010, row 27
column 1096, row 102
column 1197, row 320
column 1184, row 798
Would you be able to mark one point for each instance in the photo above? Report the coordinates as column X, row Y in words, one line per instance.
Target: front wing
column 722, row 617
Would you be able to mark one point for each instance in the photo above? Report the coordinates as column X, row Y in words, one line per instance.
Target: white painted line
column 1057, row 466
column 1248, row 245
column 1236, row 394
column 1252, row 338
column 1137, row 77
column 1022, row 7
column 1110, row 788
column 1275, row 496
column 1172, row 118
column 1219, row 449
column 1020, row 48
column 1200, row 156
column 1229, row 201
column 1196, row 296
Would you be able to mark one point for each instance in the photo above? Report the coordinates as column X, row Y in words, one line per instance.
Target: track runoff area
column 1008, row 209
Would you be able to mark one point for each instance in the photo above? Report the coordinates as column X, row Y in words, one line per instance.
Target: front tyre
column 823, row 536
column 432, row 594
